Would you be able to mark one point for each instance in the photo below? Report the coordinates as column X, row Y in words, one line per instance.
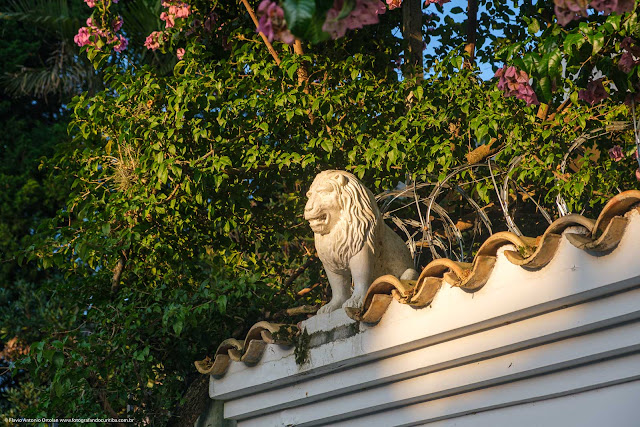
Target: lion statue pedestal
column 352, row 240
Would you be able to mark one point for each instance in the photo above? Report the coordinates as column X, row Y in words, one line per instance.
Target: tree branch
column 117, row 273
column 472, row 26
column 266, row 41
column 196, row 400
column 412, row 32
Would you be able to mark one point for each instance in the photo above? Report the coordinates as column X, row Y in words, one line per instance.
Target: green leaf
column 597, row 40
column 575, row 39
column 298, row 14
column 533, row 27
column 347, row 7
column 555, row 63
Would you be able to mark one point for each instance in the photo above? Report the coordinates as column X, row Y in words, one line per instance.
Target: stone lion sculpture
column 352, row 240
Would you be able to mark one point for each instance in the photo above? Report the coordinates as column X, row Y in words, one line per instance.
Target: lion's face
column 323, row 209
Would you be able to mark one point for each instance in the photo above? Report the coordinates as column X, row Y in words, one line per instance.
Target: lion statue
column 352, row 240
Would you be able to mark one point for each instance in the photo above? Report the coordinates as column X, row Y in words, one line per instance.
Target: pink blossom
column 168, row 18
column 122, row 43
column 638, row 174
column 153, row 40
column 514, row 82
column 83, row 37
column 568, row 10
column 439, row 2
column 272, row 23
column 608, row 6
column 631, row 56
column 616, row 153
column 594, row 93
column 182, row 10
column 117, row 23
column 394, row 4
column 364, row 13
column 90, row 3
column 180, row 53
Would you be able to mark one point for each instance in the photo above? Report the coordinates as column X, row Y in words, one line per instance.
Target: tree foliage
column 185, row 178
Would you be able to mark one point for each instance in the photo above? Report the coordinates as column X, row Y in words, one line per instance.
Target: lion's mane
column 359, row 217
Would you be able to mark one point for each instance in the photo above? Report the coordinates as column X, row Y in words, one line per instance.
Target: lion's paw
column 356, row 301
column 329, row 307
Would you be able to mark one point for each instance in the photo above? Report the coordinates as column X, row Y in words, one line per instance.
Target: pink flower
column 394, row 4
column 272, row 23
column 153, row 40
column 180, row 53
column 616, row 153
column 364, row 13
column 117, row 23
column 83, row 37
column 568, row 10
column 90, row 3
column 122, row 43
column 608, row 6
column 514, row 82
column 168, row 18
column 439, row 2
column 594, row 93
column 182, row 10
column 638, row 174
column 631, row 56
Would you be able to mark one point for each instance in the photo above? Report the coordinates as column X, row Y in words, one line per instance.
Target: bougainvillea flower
column 616, row 153
column 180, row 10
column 117, row 23
column 180, row 53
column 439, row 2
column 394, row 4
column 272, row 23
column 153, row 40
column 90, row 3
column 631, row 56
column 568, row 10
column 168, row 19
column 121, row 44
column 594, row 93
column 608, row 6
column 514, row 82
column 638, row 174
column 83, row 37
column 364, row 13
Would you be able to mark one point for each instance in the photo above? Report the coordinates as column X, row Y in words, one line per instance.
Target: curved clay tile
column 426, row 292
column 387, row 284
column 373, row 313
column 232, row 347
column 265, row 331
column 617, row 206
column 222, row 358
column 607, row 241
column 571, row 220
column 496, row 241
column 379, row 296
column 482, row 267
column 453, row 271
column 253, row 352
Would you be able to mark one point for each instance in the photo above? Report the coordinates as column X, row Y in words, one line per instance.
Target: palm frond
column 49, row 15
